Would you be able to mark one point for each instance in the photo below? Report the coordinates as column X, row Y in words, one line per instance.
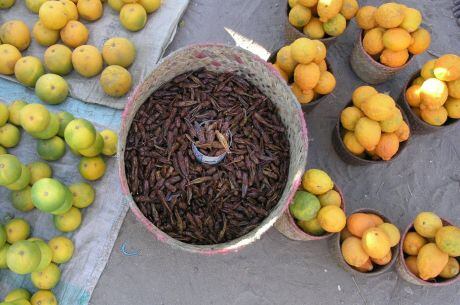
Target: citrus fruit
column 305, row 206
column 352, row 144
column 394, row 59
column 52, row 89
column 9, row 56
column 358, row 223
column 95, row 149
column 433, row 93
column 10, row 169
column 411, row 263
column 447, row 67
column 421, row 40
column 10, row 135
column 15, row 33
column 389, row 15
column 350, row 116
column 451, row 270
column 43, row 297
column 361, row 94
column 397, row 39
column 332, row 218
column 69, row 221
column 14, row 109
column 431, row 261
column 58, row 59
column 427, row 224
column 328, row 9
column 80, row 134
column 39, row 170
column 436, row 117
column 3, row 252
column 92, row 168
column 392, row 231
column 326, row 83
column 62, row 249
column 448, row 240
column 87, row 60
column 83, row 194
column 413, row 243
column 74, row 34
column 53, row 15
column 331, row 197
column 23, row 257
column 311, row 227
column 317, row 181
column 303, row 96
column 388, row 146
column 376, row 243
column 45, row 254
column 303, row 50
column 22, row 200
column 66, row 205
column 384, row 260
column 50, row 131
column 47, row 278
column 453, row 107
column 365, row 17
column 17, row 294
column 51, row 149
column 90, row 10
column 119, row 51
column 373, row 41
column 34, row 118
column 299, row 16
column 368, row 133
column 353, row 252
column 28, row 70
column 64, row 119
column 115, row 81
column 44, row 36
column 133, row 17
column 335, row 26
column 48, row 194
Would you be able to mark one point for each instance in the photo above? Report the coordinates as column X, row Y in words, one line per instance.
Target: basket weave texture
column 222, row 58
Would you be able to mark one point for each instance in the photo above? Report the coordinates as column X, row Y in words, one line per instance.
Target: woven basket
column 335, row 246
column 405, row 273
column 348, row 157
column 417, row 124
column 367, row 68
column 292, row 33
column 287, row 226
column 221, row 58
column 310, row 106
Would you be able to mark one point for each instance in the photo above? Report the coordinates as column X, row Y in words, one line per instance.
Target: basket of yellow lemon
column 390, row 38
column 318, row 19
column 371, row 128
column 368, row 244
column 431, row 97
column 429, row 253
column 303, row 65
column 317, row 210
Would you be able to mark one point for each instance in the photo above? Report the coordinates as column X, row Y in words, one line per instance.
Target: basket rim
column 410, row 228
column 251, row 236
column 382, row 269
column 450, row 121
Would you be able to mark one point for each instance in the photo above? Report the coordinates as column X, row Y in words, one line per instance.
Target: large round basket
column 335, row 247
column 368, row 69
column 407, row 275
column 417, row 124
column 221, row 58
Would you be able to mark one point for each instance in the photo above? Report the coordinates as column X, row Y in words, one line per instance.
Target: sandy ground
column 276, row 270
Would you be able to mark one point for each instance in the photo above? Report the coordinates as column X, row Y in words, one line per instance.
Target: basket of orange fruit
column 368, row 243
column 304, row 67
column 317, row 210
column 431, row 97
column 371, row 128
column 389, row 39
column 429, row 254
column 319, row 19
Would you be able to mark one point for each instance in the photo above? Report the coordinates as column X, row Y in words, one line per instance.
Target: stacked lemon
column 434, row 96
column 374, row 125
column 321, row 18
column 133, row 13
column 305, row 61
column 23, row 255
column 432, row 250
column 367, row 241
column 392, row 33
column 318, row 208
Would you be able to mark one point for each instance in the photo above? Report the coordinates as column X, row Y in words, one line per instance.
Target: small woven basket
column 221, row 58
column 310, row 106
column 339, row 147
column 405, row 273
column 335, row 247
column 287, row 226
column 292, row 33
column 367, row 68
column 418, row 125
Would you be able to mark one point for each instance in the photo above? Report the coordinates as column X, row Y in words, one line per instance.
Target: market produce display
column 392, row 33
column 434, row 95
column 317, row 207
column 202, row 203
column 431, row 248
column 303, row 65
column 59, row 20
column 368, row 242
column 319, row 19
column 373, row 126
column 34, row 257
